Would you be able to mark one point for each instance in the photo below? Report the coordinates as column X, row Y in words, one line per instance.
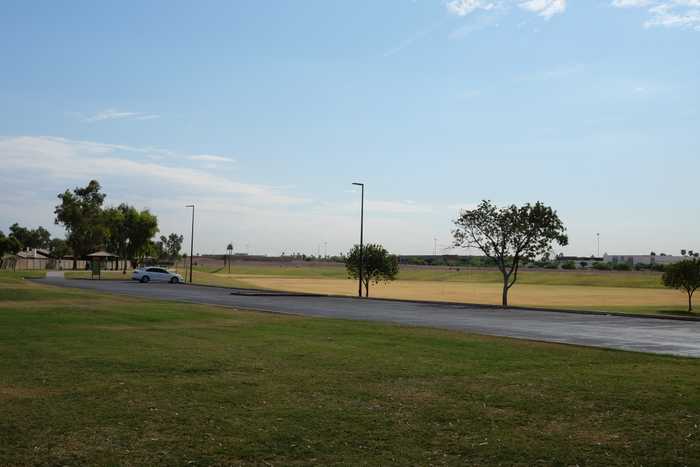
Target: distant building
column 633, row 260
column 34, row 258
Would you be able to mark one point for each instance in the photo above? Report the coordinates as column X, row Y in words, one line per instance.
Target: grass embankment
column 90, row 379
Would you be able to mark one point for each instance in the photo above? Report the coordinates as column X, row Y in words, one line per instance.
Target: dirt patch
column 521, row 294
column 15, row 392
column 217, row 323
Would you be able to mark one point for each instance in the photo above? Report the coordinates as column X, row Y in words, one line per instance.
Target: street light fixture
column 362, row 221
column 191, row 240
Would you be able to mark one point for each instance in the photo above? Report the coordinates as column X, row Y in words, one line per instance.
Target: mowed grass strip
column 89, row 379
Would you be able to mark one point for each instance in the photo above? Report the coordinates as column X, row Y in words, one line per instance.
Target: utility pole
column 362, row 222
column 598, row 239
column 191, row 240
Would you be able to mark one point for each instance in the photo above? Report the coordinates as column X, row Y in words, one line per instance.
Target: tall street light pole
column 362, row 222
column 191, row 240
column 598, row 238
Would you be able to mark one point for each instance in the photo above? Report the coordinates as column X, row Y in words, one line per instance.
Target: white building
column 633, row 260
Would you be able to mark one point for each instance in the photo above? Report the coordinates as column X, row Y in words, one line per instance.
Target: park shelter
column 100, row 259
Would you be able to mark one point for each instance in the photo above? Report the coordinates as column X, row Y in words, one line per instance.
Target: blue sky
column 263, row 113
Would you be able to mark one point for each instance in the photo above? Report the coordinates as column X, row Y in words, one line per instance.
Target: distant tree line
column 122, row 230
column 21, row 238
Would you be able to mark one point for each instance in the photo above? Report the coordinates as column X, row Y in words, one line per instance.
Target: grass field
column 441, row 274
column 89, row 379
column 626, row 292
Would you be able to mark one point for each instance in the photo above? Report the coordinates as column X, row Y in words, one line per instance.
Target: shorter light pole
column 598, row 238
column 191, row 240
column 362, row 222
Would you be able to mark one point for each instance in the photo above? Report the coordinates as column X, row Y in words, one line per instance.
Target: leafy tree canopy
column 9, row 245
column 377, row 265
column 30, row 238
column 509, row 235
column 80, row 212
column 684, row 275
column 169, row 247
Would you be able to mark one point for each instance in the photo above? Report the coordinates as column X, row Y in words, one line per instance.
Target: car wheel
column 145, row 279
column 174, row 280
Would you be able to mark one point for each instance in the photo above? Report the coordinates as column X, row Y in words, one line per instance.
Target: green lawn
column 89, row 379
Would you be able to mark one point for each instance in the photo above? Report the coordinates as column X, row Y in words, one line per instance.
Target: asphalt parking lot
column 615, row 332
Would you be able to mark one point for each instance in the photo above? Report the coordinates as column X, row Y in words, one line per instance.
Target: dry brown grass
column 604, row 298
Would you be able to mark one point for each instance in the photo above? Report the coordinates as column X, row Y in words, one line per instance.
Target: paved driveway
column 615, row 332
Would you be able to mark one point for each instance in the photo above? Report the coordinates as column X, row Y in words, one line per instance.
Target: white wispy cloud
column 413, row 39
column 684, row 14
column 545, row 8
column 270, row 218
column 210, row 158
column 114, row 114
column 76, row 160
column 465, row 7
column 630, row 3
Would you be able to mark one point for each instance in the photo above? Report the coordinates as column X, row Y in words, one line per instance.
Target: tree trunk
column 75, row 263
column 367, row 289
column 504, row 301
column 690, row 302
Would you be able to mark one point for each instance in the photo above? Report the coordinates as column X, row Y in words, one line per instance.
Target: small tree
column 684, row 275
column 509, row 235
column 377, row 265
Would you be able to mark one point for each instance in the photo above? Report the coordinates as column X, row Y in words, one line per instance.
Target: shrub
column 600, row 266
column 684, row 275
column 622, row 267
column 569, row 265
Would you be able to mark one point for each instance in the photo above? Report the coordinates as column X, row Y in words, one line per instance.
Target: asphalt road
column 615, row 332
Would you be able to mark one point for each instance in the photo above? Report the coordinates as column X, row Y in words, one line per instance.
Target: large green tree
column 141, row 229
column 509, row 235
column 31, row 238
column 9, row 245
column 80, row 212
column 170, row 246
column 376, row 263
column 58, row 248
column 684, row 275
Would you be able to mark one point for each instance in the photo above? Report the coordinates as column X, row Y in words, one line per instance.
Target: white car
column 157, row 275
